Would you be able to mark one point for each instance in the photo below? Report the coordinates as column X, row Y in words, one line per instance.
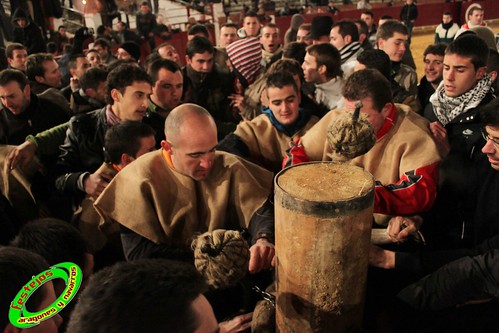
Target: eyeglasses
column 487, row 137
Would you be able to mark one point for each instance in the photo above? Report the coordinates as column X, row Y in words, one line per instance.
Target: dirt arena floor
column 421, row 39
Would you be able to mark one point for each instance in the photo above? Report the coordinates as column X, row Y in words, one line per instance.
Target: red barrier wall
column 429, row 13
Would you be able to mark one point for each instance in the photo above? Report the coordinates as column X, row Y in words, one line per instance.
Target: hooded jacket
column 30, row 36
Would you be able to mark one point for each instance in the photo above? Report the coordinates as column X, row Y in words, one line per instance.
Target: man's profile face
column 168, row 52
column 168, row 88
column 201, row 62
column 82, row 65
column 460, row 75
column 94, row 58
column 251, row 26
column 228, row 35
column 336, row 39
column 52, row 75
column 490, row 148
column 394, row 46
column 367, row 18
column 433, row 67
column 15, row 99
column 476, row 17
column 375, row 117
column 99, row 94
column 132, row 104
column 147, row 145
column 284, row 103
column 270, row 39
column 18, row 60
column 446, row 19
column 193, row 148
column 311, row 69
column 303, row 36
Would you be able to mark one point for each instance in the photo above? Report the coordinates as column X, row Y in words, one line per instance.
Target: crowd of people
column 116, row 160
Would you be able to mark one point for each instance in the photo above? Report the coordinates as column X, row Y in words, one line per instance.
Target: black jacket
column 31, row 36
column 41, row 114
column 83, row 148
column 408, row 13
column 449, row 222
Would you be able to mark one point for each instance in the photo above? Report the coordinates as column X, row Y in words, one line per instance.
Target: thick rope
column 222, row 257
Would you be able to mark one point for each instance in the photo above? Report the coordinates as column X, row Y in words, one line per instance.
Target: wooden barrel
column 323, row 214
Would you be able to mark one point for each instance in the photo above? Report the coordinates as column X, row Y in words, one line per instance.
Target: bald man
column 187, row 187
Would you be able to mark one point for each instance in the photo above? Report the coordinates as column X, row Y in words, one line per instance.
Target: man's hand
column 262, row 256
column 399, row 228
column 237, row 324
column 381, row 258
column 95, row 184
column 21, row 156
column 237, row 101
column 440, row 137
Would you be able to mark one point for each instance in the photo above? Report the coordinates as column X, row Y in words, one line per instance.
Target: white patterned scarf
column 448, row 108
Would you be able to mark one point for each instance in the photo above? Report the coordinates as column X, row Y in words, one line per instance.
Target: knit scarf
column 348, row 50
column 301, row 121
column 266, row 55
column 448, row 108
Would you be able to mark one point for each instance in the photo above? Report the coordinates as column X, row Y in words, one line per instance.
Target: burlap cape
column 266, row 144
column 161, row 204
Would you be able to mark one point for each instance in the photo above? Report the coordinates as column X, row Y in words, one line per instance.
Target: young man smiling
column 265, row 139
column 433, row 69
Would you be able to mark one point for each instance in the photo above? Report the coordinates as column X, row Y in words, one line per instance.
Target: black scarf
column 447, row 26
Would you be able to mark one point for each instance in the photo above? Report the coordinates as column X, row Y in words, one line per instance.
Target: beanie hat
column 132, row 48
column 321, row 26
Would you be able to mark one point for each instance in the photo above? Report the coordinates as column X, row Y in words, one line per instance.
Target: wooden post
column 323, row 217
